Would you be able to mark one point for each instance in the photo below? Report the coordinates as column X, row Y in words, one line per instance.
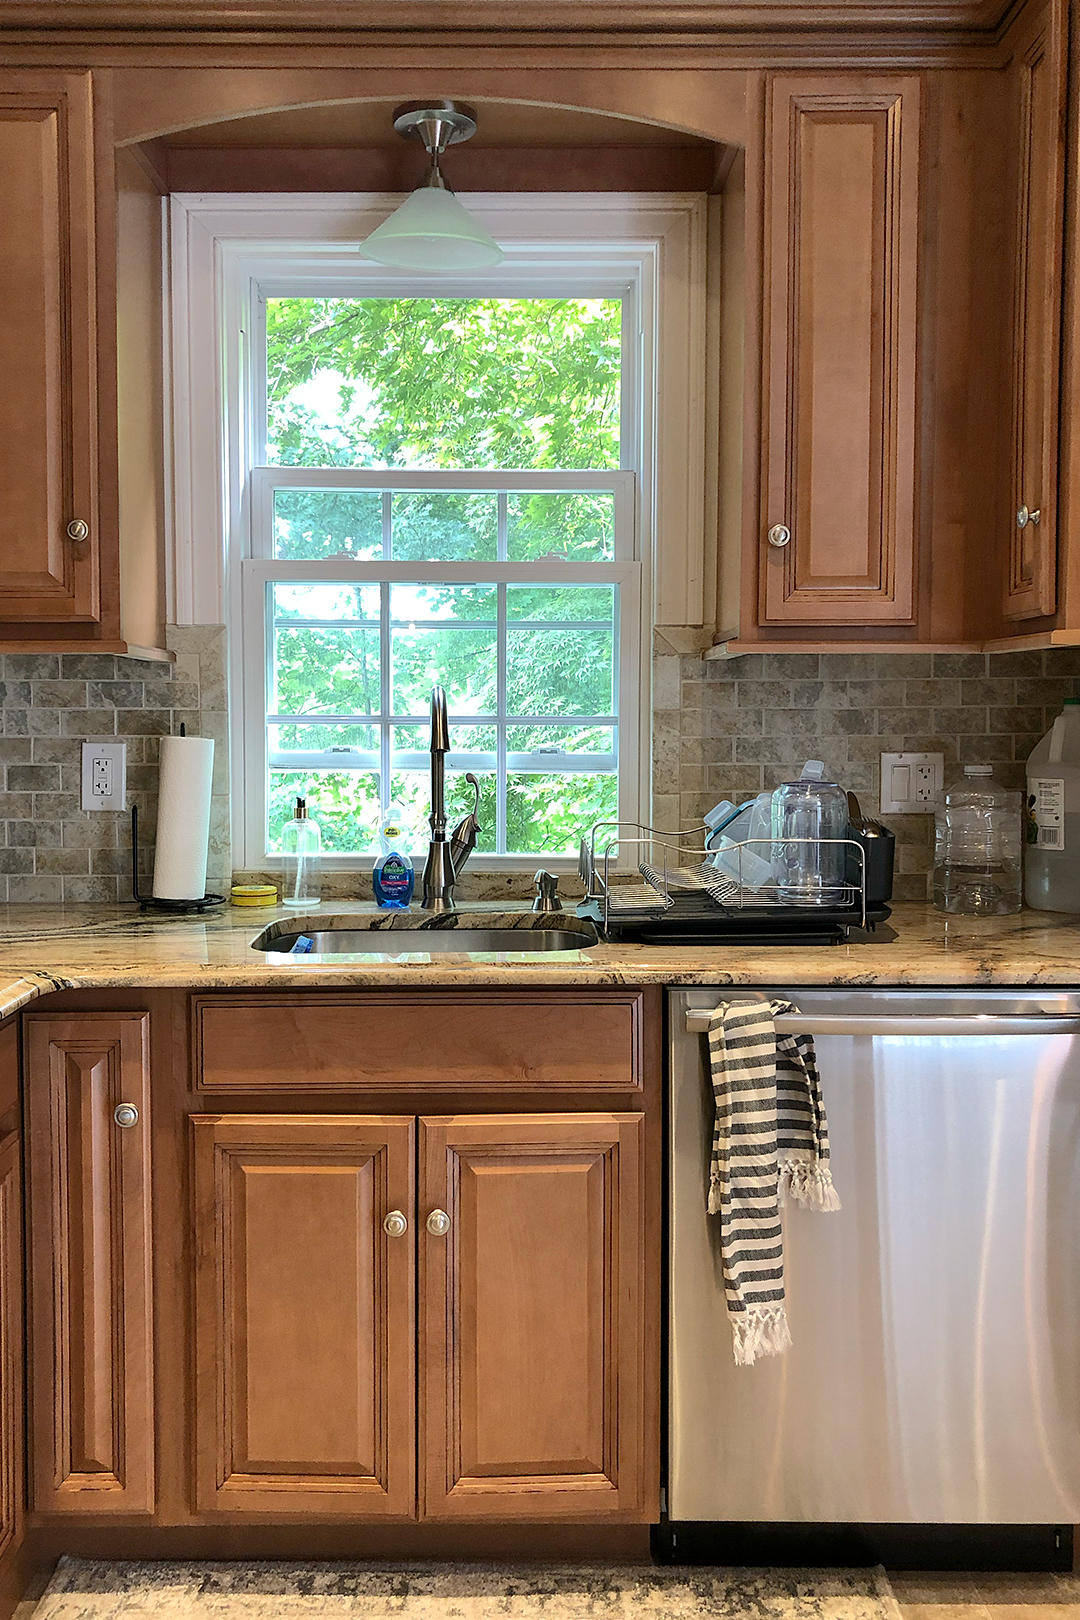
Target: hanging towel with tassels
column 770, row 1137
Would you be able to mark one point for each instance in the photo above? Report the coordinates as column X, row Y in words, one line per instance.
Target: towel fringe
column 760, row 1331
column 809, row 1183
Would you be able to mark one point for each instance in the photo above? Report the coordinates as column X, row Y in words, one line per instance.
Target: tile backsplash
column 720, row 730
column 51, row 849
column 727, row 730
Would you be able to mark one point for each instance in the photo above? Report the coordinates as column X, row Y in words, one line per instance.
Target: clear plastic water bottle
column 977, row 847
column 301, row 844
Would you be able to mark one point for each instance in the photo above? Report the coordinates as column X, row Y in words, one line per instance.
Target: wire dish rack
column 682, row 900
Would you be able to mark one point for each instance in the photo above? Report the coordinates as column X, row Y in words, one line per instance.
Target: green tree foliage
column 445, row 382
column 467, row 384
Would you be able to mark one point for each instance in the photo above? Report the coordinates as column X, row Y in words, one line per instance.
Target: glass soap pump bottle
column 301, row 843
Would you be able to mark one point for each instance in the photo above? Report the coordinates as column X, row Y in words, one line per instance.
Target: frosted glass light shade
column 432, row 231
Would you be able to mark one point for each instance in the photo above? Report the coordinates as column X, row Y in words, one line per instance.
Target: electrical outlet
column 910, row 783
column 104, row 775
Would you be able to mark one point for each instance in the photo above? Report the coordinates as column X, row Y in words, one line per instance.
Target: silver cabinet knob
column 77, row 529
column 395, row 1224
column 779, row 534
column 438, row 1223
column 126, row 1115
column 1024, row 517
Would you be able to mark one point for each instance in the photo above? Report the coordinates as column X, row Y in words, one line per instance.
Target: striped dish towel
column 770, row 1138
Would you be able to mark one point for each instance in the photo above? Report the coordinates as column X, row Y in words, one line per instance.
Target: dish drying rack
column 684, row 901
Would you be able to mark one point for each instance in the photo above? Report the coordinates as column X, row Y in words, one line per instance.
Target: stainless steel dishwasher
column 934, row 1375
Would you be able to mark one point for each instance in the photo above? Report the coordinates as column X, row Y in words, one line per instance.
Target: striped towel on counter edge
column 770, row 1138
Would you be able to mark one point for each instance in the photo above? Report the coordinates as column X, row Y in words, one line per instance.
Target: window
column 270, row 490
column 440, row 499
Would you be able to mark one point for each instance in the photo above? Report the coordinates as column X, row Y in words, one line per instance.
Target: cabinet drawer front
column 454, row 1041
column 304, row 1315
column 532, row 1260
column 90, row 1262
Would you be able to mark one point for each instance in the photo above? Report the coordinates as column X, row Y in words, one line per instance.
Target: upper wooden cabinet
column 81, row 384
column 49, row 516
column 93, row 1383
column 837, row 519
column 1037, row 80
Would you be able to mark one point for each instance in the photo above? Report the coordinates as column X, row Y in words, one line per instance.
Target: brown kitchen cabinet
column 837, row 530
column 92, row 1423
column 49, row 515
column 530, row 1242
column 1037, row 86
column 81, row 382
column 304, row 1329
column 12, row 1309
column 532, row 1345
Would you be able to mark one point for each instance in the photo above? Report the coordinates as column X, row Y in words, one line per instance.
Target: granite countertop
column 90, row 946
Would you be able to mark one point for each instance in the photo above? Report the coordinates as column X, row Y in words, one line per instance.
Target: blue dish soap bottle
column 393, row 877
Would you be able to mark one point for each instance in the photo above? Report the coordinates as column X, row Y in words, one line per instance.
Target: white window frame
column 224, row 249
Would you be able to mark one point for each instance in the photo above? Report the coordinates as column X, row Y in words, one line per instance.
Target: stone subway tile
column 62, row 861
column 93, row 890
column 40, row 889
column 34, row 778
column 116, row 695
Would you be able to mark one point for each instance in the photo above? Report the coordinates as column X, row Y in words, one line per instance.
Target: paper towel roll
column 183, row 824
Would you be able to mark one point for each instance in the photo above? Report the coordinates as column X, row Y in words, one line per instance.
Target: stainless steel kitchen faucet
column 445, row 861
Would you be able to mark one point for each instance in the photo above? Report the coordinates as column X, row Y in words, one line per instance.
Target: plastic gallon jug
column 977, row 847
column 1052, row 852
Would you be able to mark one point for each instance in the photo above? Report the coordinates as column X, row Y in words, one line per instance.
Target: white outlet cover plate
column 104, row 776
column 910, row 783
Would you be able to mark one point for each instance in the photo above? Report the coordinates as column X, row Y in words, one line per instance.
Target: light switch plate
column 910, row 783
column 104, row 775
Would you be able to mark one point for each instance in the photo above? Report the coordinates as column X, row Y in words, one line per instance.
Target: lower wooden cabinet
column 528, row 1241
column 305, row 1344
column 531, row 1316
column 92, row 1429
column 12, row 1404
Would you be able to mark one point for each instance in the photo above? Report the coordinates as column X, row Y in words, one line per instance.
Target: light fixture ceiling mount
column 431, row 230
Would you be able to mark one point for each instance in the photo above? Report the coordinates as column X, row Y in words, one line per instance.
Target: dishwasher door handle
column 697, row 1022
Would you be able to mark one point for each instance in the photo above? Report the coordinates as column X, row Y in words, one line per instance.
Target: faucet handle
column 547, row 892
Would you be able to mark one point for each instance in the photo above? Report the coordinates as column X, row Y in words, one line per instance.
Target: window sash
column 261, row 574
column 266, row 481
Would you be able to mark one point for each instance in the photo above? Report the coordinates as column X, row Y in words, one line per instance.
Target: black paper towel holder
column 150, row 902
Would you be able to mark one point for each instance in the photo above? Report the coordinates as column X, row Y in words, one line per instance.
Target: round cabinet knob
column 438, row 1223
column 77, row 529
column 779, row 534
column 1023, row 517
column 126, row 1115
column 395, row 1224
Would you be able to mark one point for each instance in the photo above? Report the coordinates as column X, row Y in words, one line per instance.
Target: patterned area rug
column 88, row 1589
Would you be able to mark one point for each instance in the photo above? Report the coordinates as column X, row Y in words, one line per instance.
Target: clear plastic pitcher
column 977, row 847
column 1052, row 850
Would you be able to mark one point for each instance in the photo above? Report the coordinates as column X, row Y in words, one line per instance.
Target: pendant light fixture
column 431, row 230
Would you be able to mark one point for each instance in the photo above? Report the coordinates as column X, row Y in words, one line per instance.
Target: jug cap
column 813, row 770
column 978, row 770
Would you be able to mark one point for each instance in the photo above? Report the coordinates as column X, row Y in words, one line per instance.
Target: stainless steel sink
column 424, row 937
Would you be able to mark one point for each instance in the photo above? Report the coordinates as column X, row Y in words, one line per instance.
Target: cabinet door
column 47, row 357
column 1038, row 84
column 837, row 536
column 12, row 1406
column 532, row 1330
column 90, row 1260
column 304, row 1330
